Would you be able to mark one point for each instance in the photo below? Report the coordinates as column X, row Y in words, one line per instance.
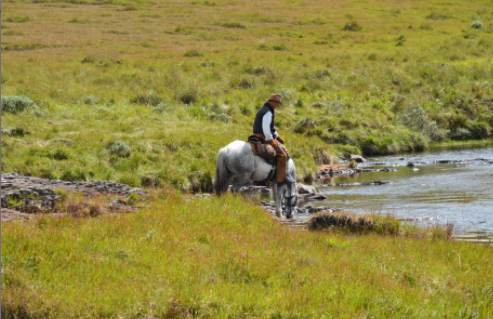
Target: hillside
column 146, row 92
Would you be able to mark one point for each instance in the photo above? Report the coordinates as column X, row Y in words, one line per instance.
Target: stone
column 306, row 189
column 357, row 158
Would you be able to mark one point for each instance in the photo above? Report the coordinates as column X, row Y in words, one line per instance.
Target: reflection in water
column 458, row 192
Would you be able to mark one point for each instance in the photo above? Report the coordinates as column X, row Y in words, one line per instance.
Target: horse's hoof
column 289, row 216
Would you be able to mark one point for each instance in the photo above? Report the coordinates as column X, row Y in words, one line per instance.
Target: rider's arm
column 266, row 120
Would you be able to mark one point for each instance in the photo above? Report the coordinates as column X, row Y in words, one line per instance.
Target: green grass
column 385, row 80
column 224, row 258
column 145, row 93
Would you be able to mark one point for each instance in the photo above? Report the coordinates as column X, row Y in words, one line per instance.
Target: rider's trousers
column 282, row 159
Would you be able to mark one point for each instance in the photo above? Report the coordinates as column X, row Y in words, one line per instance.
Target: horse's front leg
column 277, row 191
column 291, row 200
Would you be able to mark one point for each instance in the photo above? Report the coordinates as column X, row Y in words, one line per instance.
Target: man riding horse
column 263, row 127
column 239, row 159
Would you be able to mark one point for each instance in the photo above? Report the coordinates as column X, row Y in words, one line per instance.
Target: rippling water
column 430, row 193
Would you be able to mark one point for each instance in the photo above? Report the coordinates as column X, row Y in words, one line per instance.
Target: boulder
column 306, row 189
column 357, row 158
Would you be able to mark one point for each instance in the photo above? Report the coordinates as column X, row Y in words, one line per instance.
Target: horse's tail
column 221, row 183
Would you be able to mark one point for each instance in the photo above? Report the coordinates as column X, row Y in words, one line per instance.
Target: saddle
column 260, row 148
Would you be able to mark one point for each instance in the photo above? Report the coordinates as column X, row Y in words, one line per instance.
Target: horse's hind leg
column 240, row 181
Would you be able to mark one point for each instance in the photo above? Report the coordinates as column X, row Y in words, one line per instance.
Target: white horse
column 237, row 159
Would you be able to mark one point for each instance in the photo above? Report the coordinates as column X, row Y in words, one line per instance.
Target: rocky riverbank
column 23, row 196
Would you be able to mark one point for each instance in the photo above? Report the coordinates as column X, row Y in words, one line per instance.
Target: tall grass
column 223, row 258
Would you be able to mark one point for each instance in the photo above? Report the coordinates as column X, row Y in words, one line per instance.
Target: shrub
column 23, row 46
column 17, row 19
column 352, row 26
column 193, row 53
column 480, row 130
column 90, row 100
column 234, row 25
column 416, row 119
column 437, row 16
column 222, row 117
column 303, row 125
column 476, row 25
column 147, row 99
column 118, row 148
column 460, row 134
column 73, row 174
column 245, row 84
column 16, row 104
column 280, row 47
column 151, row 180
column 426, row 26
column 12, row 33
column 286, row 94
column 189, row 96
column 256, row 71
column 59, row 154
column 130, row 7
column 77, row 205
column 77, row 20
column 17, row 131
column 129, row 178
column 275, row 47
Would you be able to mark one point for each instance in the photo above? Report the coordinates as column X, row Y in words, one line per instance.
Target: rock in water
column 357, row 158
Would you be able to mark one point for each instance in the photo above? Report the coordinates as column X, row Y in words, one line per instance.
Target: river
column 430, row 193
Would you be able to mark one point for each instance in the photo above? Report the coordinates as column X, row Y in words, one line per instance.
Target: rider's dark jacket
column 266, row 113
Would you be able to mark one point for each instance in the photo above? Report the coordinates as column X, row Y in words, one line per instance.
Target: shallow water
column 431, row 193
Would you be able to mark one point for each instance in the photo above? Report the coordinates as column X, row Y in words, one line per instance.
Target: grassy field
column 226, row 258
column 146, row 92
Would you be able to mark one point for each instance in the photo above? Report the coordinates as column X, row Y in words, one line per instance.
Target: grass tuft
column 17, row 19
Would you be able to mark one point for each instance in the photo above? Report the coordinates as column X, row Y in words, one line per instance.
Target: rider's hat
column 275, row 98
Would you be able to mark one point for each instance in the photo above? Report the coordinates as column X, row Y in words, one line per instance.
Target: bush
column 234, row 25
column 129, row 179
column 71, row 174
column 246, row 84
column 438, row 16
column 90, row 100
column 59, row 154
column 193, row 53
column 17, row 19
column 16, row 104
column 189, row 96
column 23, row 46
column 118, row 148
column 460, row 134
column 148, row 99
column 275, row 47
column 17, row 131
column 222, row 117
column 286, row 94
column 151, row 180
column 480, row 130
column 352, row 26
column 303, row 125
column 476, row 25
